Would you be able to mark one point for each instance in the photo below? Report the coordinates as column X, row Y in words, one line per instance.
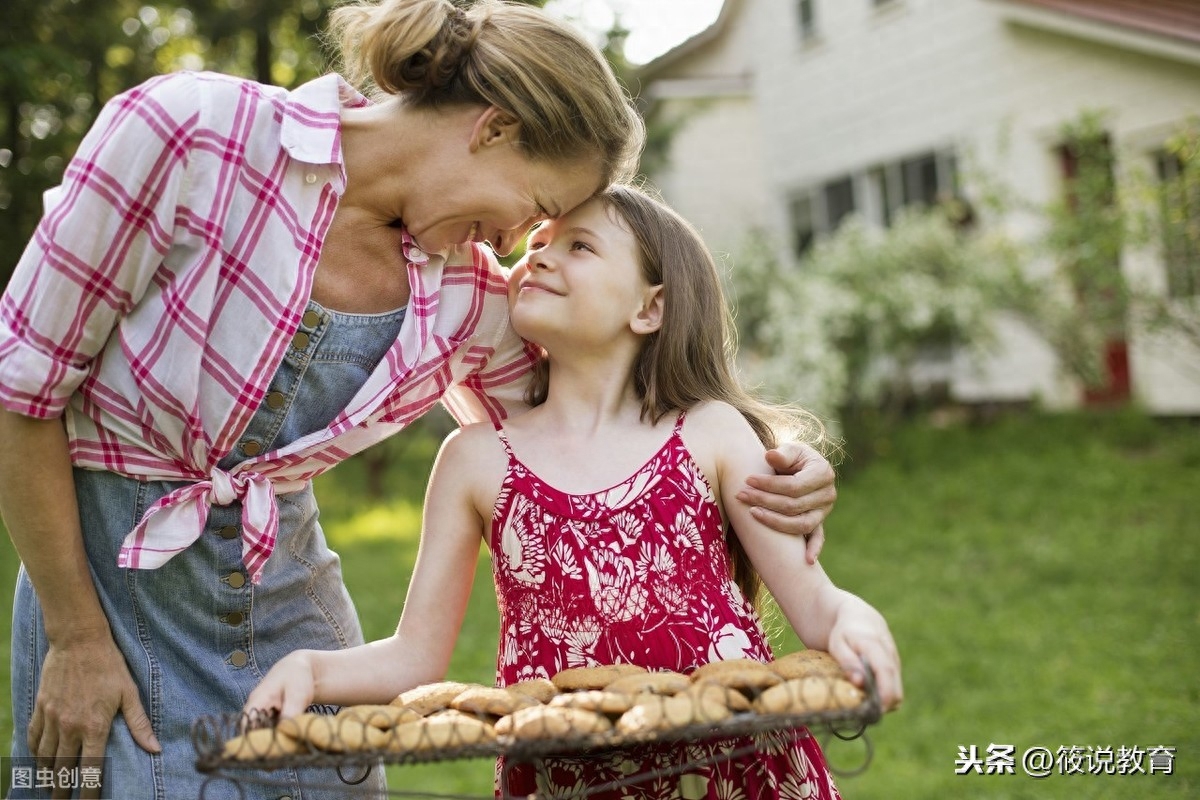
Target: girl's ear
column 495, row 126
column 650, row 317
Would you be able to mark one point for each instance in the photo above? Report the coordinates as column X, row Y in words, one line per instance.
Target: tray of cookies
column 578, row 711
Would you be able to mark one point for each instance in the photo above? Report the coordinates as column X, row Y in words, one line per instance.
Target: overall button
column 275, row 400
column 239, row 658
column 228, row 532
column 311, row 319
column 251, row 447
column 233, row 618
column 236, row 579
column 300, row 340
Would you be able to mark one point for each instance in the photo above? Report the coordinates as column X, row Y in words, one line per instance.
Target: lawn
column 1041, row 574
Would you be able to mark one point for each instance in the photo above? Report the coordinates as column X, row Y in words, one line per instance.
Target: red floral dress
column 637, row 574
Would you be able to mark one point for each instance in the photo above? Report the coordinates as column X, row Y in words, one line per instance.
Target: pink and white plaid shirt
column 168, row 276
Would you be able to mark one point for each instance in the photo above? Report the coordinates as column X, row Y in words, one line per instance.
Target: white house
column 798, row 112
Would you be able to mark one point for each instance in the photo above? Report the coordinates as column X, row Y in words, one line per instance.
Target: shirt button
column 236, row 579
column 239, row 658
column 275, row 400
column 300, row 340
column 311, row 319
column 228, row 532
column 251, row 447
column 233, row 618
column 310, row 178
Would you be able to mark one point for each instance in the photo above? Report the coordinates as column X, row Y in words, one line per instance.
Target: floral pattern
column 638, row 573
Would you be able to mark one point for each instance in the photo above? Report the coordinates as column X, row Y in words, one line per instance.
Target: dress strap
column 504, row 441
column 679, row 423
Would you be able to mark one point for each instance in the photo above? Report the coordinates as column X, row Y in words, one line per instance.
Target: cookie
column 261, row 743
column 600, row 700
column 667, row 682
column 556, row 722
column 744, row 674
column 299, row 727
column 345, row 735
column 439, row 732
column 490, row 700
column 382, row 717
column 540, row 689
column 805, row 663
column 431, row 697
column 808, row 695
column 670, row 713
column 714, row 692
column 584, row 678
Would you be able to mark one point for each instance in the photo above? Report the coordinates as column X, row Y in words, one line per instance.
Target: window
column 839, row 201
column 806, row 10
column 804, row 230
column 1179, row 206
column 878, row 193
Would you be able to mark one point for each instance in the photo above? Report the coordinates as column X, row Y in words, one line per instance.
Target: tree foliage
column 61, row 60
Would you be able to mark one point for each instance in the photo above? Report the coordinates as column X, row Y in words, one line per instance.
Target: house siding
column 875, row 85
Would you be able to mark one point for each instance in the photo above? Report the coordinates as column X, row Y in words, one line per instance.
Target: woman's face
column 496, row 193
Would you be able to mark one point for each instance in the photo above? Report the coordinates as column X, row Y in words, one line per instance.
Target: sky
column 655, row 25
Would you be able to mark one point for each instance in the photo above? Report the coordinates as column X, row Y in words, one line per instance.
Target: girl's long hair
column 690, row 358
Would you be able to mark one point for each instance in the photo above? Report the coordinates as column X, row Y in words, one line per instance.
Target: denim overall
column 196, row 634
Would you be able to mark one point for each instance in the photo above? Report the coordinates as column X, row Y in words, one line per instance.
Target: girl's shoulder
column 715, row 420
column 475, row 459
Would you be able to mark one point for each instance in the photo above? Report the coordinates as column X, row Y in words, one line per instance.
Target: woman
column 235, row 288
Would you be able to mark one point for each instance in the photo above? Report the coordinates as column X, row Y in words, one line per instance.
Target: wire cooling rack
column 248, row 748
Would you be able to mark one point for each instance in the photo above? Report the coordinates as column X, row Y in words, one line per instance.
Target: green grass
column 1041, row 575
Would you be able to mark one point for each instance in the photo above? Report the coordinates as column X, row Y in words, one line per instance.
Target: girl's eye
column 535, row 244
column 577, row 245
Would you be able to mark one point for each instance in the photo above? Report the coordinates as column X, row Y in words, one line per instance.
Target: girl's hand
column 860, row 635
column 797, row 499
column 289, row 686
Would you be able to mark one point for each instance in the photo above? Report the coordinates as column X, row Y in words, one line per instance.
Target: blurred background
column 967, row 234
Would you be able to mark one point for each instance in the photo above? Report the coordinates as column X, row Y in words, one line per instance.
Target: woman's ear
column 495, row 126
column 649, row 317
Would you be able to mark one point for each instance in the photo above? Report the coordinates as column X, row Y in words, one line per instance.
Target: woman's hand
column 798, row 498
column 84, row 684
column 860, row 635
column 288, row 687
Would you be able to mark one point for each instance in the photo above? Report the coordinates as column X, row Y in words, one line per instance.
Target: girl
column 607, row 506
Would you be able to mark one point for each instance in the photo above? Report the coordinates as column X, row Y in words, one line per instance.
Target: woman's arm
column 84, row 681
column 420, row 649
column 823, row 616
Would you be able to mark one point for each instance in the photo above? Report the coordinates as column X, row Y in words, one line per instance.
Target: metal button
column 233, row 618
column 310, row 177
column 239, row 658
column 228, row 532
column 236, row 579
column 275, row 400
column 311, row 319
column 251, row 447
column 300, row 340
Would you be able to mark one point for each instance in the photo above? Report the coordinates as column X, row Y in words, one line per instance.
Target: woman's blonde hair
column 509, row 55
column 690, row 358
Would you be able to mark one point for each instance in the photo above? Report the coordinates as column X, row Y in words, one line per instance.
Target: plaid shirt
column 168, row 276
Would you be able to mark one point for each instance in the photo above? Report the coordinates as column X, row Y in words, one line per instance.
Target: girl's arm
column 420, row 649
column 823, row 616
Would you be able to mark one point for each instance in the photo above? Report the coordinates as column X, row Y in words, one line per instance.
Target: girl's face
column 494, row 192
column 580, row 280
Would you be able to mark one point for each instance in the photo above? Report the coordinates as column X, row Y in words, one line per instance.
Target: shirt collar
column 311, row 130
